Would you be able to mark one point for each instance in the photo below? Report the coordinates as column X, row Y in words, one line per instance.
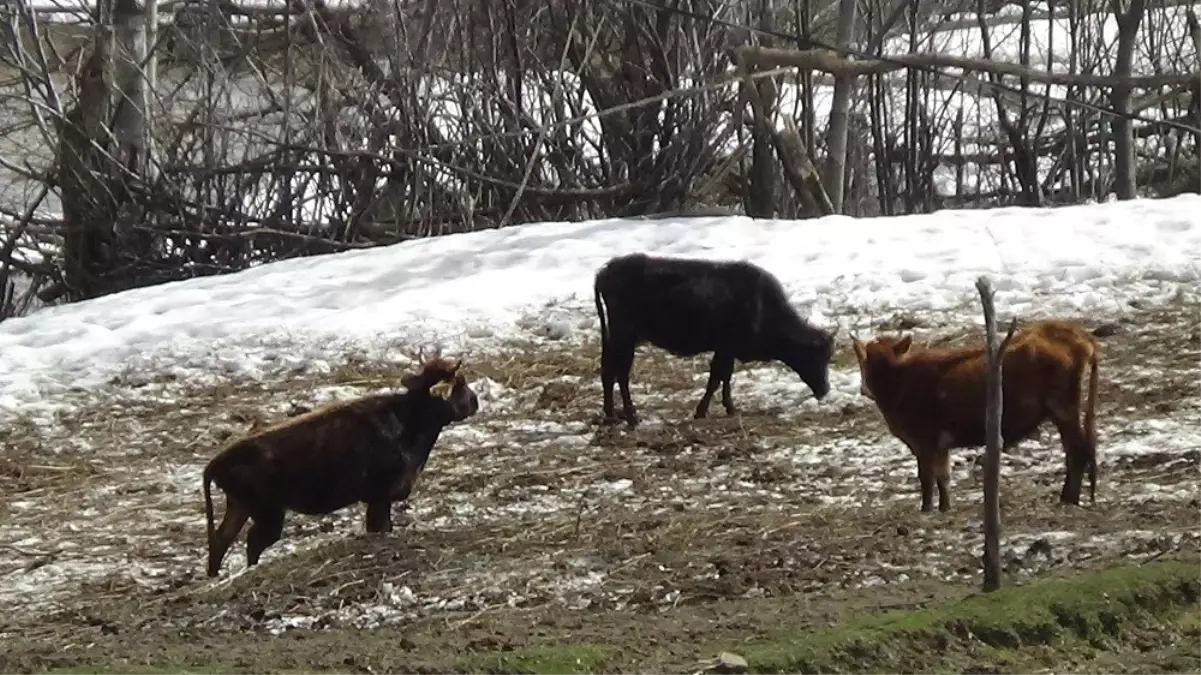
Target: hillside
column 533, row 528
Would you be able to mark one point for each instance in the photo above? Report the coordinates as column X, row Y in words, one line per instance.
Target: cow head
column 809, row 356
column 874, row 359
column 446, row 386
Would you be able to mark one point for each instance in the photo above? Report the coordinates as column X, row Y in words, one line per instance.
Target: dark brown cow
column 934, row 399
column 367, row 450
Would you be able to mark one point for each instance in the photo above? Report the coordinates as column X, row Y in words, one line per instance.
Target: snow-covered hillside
column 475, row 291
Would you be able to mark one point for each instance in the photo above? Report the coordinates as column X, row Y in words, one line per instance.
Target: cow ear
column 903, row 345
column 443, row 389
column 860, row 350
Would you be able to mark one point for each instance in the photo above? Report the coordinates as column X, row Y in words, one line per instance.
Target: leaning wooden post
column 992, row 435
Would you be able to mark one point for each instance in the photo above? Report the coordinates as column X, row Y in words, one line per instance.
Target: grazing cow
column 934, row 399
column 734, row 309
column 370, row 450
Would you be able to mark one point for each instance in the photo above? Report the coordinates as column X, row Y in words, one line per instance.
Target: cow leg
column 1078, row 451
column 623, row 362
column 225, row 535
column 721, row 368
column 925, row 476
column 608, row 378
column 942, row 476
column 1077, row 457
column 264, row 531
column 727, row 399
column 379, row 515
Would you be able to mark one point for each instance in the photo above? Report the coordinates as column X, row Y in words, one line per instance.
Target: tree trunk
column 840, row 111
column 1125, row 185
column 761, row 183
column 1194, row 107
column 761, row 188
column 150, row 83
column 89, row 207
column 129, row 80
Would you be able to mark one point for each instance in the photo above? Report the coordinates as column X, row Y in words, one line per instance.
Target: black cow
column 370, row 449
column 736, row 310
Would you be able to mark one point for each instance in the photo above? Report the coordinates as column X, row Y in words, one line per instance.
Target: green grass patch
column 167, row 670
column 581, row 658
column 1133, row 619
column 1045, row 623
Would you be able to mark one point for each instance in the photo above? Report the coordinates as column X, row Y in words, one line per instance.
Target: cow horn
column 458, row 364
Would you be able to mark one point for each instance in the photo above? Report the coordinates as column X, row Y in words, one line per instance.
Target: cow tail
column 1090, row 424
column 208, row 504
column 600, row 312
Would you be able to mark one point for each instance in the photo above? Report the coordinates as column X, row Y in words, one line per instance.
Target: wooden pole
column 994, row 441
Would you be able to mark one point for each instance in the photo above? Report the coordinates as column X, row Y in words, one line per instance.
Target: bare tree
column 250, row 133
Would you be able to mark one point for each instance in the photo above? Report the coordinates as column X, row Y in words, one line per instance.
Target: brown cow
column 370, row 450
column 934, row 399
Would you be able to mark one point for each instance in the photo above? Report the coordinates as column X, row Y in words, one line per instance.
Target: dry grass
column 534, row 508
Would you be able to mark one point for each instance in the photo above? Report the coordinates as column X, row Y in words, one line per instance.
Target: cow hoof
column 1066, row 498
column 608, row 420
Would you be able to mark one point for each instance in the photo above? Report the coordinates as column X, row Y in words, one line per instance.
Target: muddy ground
column 534, row 527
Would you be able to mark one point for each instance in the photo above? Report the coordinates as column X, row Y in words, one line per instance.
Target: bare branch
column 831, row 62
